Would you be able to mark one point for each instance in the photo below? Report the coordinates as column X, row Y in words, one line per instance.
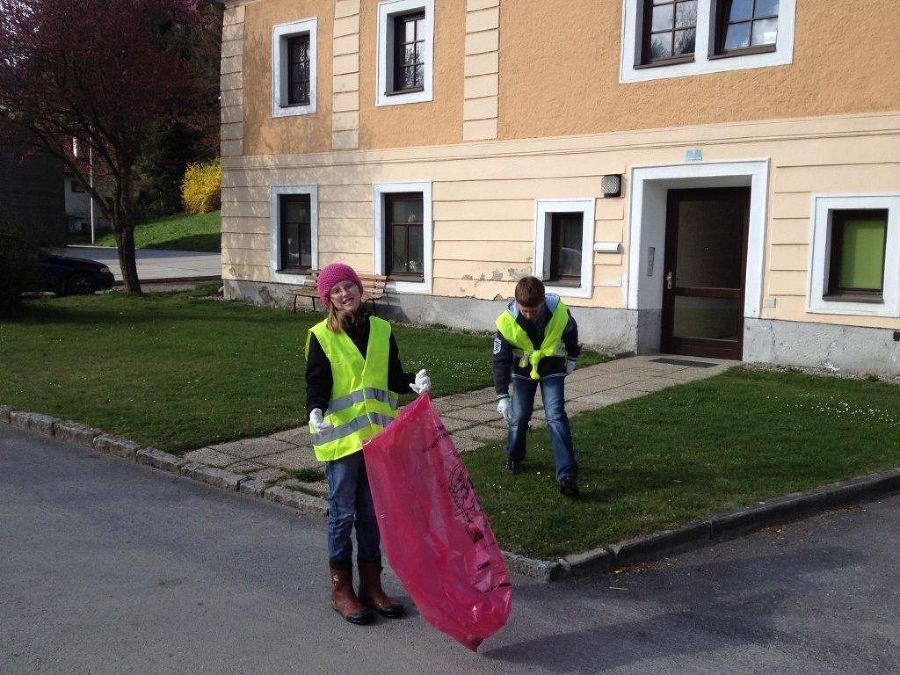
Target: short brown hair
column 530, row 291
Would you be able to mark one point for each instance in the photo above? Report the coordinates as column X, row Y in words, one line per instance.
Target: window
column 294, row 68
column 403, row 235
column 295, row 233
column 564, row 243
column 405, row 48
column 855, row 267
column 409, row 53
column 670, row 28
column 746, row 26
column 298, row 70
column 676, row 38
column 294, row 218
column 77, row 187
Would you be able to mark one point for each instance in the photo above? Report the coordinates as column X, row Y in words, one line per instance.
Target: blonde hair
column 337, row 316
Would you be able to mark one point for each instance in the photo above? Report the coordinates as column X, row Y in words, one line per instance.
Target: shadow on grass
column 205, row 243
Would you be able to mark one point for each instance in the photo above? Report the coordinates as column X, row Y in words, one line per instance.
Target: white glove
column 318, row 421
column 504, row 407
column 422, row 385
column 570, row 366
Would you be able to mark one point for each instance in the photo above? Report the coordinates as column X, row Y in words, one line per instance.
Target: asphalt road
column 110, row 567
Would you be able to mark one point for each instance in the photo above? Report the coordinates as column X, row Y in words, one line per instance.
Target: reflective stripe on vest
column 361, row 404
column 518, row 338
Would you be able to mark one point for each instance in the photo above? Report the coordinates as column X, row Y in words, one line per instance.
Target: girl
column 353, row 374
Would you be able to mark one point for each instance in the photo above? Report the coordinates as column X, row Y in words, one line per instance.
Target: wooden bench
column 373, row 289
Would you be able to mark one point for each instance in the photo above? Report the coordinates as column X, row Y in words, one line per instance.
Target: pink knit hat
column 333, row 274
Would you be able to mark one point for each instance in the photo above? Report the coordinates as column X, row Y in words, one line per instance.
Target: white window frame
column 632, row 36
column 543, row 208
column 387, row 10
column 823, row 205
column 275, row 220
column 280, row 36
column 379, row 190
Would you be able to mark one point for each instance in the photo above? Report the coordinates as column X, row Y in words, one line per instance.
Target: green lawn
column 179, row 373
column 182, row 232
column 675, row 455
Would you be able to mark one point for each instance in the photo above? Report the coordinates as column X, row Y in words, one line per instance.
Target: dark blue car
column 69, row 276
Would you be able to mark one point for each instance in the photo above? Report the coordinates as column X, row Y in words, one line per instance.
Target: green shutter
column 862, row 253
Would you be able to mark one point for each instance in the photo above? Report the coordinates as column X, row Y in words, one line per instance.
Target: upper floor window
column 405, row 50
column 294, row 68
column 675, row 38
column 670, row 28
column 746, row 26
column 298, row 70
column 409, row 53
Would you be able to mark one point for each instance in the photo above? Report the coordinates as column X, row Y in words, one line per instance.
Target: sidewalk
column 471, row 418
column 154, row 265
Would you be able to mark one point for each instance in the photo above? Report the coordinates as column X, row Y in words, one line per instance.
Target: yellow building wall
column 560, row 76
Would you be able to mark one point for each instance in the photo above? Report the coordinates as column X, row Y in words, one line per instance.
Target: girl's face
column 345, row 296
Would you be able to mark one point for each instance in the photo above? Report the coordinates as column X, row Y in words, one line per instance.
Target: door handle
column 669, row 278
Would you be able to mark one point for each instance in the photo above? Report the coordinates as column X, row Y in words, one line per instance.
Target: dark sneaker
column 569, row 487
column 513, row 467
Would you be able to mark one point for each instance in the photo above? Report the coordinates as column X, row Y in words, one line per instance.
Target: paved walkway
column 471, row 418
column 154, row 264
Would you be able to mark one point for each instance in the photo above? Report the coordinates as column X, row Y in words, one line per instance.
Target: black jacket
column 319, row 379
column 506, row 365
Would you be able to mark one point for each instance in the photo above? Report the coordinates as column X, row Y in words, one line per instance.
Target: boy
column 536, row 343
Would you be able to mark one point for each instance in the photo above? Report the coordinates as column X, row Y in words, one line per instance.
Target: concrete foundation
column 840, row 349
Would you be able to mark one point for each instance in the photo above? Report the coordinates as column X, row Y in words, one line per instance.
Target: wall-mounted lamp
column 611, row 185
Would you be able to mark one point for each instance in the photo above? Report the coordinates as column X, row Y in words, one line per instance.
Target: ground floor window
column 294, row 216
column 403, row 235
column 564, row 240
column 855, row 255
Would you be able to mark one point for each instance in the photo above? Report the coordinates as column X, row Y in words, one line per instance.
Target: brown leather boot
column 371, row 593
column 344, row 600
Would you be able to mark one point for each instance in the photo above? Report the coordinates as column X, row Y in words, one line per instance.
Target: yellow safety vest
column 361, row 404
column 525, row 350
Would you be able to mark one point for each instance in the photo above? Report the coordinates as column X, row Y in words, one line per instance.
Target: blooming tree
column 114, row 74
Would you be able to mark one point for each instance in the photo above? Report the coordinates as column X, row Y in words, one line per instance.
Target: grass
column 675, row 455
column 178, row 372
column 182, row 233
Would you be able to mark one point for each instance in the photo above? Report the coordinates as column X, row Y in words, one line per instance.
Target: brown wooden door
column 703, row 285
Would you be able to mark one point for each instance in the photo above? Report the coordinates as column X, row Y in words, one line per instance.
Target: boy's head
column 530, row 296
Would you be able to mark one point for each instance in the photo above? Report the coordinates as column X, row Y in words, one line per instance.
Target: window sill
column 403, row 92
column 567, row 283
column 299, row 271
column 849, row 297
column 411, row 278
column 749, row 51
column 663, row 64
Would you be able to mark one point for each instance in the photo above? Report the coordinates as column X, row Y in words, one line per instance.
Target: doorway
column 705, row 268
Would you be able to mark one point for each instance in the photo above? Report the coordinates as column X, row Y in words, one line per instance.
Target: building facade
column 702, row 177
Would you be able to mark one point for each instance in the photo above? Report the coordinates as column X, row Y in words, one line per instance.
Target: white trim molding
column 275, row 221
column 379, row 190
column 543, row 210
column 387, row 10
column 704, row 60
column 647, row 224
column 823, row 206
column 280, row 36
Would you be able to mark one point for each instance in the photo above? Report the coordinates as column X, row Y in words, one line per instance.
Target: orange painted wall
column 559, row 76
column 264, row 135
column 436, row 123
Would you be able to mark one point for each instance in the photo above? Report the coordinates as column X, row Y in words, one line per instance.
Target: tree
column 117, row 75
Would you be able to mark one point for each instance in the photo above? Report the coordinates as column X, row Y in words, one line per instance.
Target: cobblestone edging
column 691, row 535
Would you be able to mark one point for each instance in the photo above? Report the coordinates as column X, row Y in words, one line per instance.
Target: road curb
column 716, row 527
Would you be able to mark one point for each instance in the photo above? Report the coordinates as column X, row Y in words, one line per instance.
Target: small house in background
column 78, row 207
column 715, row 178
column 31, row 194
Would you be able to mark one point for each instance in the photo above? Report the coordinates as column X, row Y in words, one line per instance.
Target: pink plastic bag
column 434, row 531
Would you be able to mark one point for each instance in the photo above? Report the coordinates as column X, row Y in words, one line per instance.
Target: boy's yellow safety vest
column 361, row 404
column 524, row 348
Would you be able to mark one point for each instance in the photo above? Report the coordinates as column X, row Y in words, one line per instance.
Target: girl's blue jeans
column 350, row 504
column 554, row 398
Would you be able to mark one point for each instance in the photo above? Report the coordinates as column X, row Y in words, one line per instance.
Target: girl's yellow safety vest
column 361, row 404
column 524, row 348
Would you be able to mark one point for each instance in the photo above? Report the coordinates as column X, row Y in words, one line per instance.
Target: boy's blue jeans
column 553, row 395
column 350, row 503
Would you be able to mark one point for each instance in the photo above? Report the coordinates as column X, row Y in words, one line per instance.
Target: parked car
column 69, row 276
